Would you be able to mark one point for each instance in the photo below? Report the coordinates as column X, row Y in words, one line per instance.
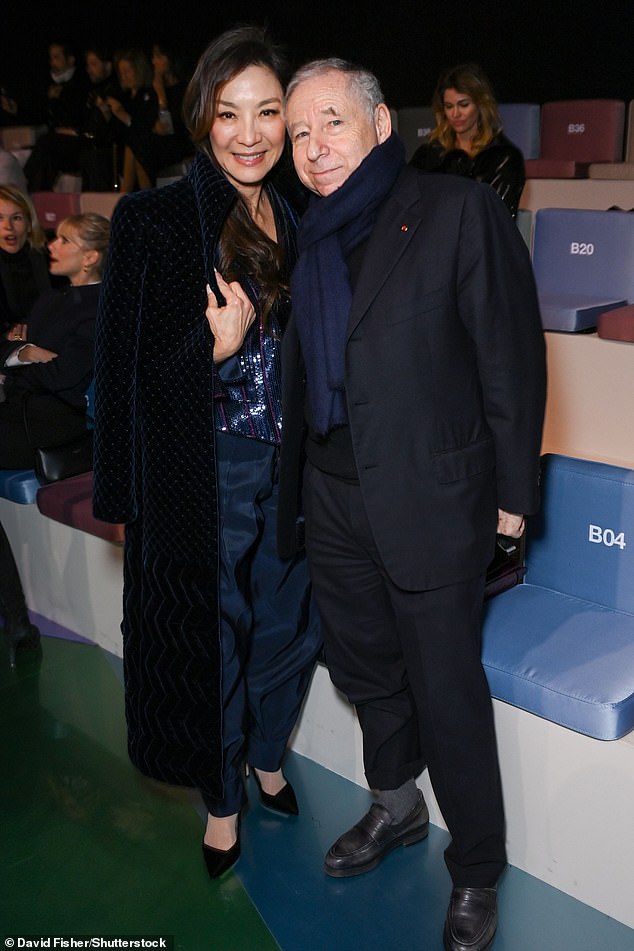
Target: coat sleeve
column 498, row 304
column 116, row 351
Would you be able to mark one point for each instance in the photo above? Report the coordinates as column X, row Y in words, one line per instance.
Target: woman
column 138, row 111
column 47, row 362
column 468, row 139
column 23, row 267
column 219, row 633
column 168, row 141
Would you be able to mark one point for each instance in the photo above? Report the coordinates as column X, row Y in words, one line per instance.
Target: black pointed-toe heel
column 20, row 635
column 219, row 861
column 283, row 802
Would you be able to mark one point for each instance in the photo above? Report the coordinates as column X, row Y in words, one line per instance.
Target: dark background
column 532, row 52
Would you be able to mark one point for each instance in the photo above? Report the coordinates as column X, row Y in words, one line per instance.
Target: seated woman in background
column 168, row 141
column 47, row 363
column 468, row 139
column 23, row 263
column 137, row 110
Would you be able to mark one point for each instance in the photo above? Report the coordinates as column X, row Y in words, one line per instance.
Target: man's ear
column 382, row 122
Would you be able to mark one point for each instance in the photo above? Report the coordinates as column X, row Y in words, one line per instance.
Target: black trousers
column 410, row 663
column 50, row 422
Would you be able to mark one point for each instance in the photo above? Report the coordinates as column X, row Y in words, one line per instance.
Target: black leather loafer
column 362, row 847
column 471, row 919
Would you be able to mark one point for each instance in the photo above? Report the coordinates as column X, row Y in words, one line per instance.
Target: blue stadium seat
column 561, row 645
column 520, row 124
column 19, row 485
column 583, row 263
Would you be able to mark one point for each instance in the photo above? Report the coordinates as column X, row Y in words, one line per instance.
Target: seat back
column 582, row 542
column 102, row 203
column 584, row 252
column 14, row 138
column 53, row 207
column 583, row 130
column 521, row 124
column 414, row 125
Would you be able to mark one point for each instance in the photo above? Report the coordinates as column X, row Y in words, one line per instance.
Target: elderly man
column 417, row 353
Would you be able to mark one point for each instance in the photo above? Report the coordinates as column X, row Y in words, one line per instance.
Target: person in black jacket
column 64, row 111
column 23, row 263
column 468, row 139
column 47, row 363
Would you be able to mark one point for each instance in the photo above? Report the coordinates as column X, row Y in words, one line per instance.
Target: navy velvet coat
column 155, row 468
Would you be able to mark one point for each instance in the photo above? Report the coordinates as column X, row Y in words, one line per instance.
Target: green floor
column 89, row 846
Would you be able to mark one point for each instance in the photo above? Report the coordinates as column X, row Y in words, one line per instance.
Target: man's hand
column 510, row 524
column 229, row 324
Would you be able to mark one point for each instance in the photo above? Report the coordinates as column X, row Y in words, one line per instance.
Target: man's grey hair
column 364, row 83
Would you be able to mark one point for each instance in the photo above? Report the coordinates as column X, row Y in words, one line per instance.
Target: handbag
column 53, row 463
column 506, row 568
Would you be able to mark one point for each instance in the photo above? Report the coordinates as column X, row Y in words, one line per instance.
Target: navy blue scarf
column 320, row 287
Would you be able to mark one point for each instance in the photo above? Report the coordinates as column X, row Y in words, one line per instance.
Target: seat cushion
column 555, row 168
column 562, row 658
column 19, row 485
column 617, row 324
column 70, row 502
column 573, row 312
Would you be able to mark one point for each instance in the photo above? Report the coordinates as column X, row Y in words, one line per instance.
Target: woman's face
column 461, row 112
column 14, row 227
column 67, row 256
column 160, row 61
column 127, row 74
column 248, row 131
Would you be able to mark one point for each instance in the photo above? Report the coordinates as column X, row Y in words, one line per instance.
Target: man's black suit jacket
column 445, row 382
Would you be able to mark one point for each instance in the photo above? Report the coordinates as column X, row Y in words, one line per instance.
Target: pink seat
column 617, row 324
column 576, row 133
column 53, row 207
column 70, row 502
column 619, row 171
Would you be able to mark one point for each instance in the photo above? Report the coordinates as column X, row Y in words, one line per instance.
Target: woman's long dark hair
column 243, row 246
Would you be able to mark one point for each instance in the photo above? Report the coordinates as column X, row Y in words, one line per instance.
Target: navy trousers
column 410, row 663
column 270, row 632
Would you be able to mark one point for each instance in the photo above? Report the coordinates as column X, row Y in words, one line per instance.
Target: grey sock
column 399, row 802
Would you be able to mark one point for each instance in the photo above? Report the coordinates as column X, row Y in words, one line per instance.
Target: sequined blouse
column 247, row 393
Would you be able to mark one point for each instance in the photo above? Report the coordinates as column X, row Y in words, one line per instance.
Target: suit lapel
column 396, row 225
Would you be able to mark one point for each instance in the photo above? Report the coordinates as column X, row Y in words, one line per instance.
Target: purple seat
column 70, row 502
column 53, row 207
column 576, row 133
column 617, row 324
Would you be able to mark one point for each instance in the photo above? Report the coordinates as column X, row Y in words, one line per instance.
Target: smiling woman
column 220, row 634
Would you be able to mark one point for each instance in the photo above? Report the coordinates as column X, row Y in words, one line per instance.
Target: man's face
column 58, row 60
column 331, row 131
column 97, row 69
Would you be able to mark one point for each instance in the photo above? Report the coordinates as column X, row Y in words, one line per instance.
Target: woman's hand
column 34, row 354
column 118, row 110
column 17, row 332
column 229, row 324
